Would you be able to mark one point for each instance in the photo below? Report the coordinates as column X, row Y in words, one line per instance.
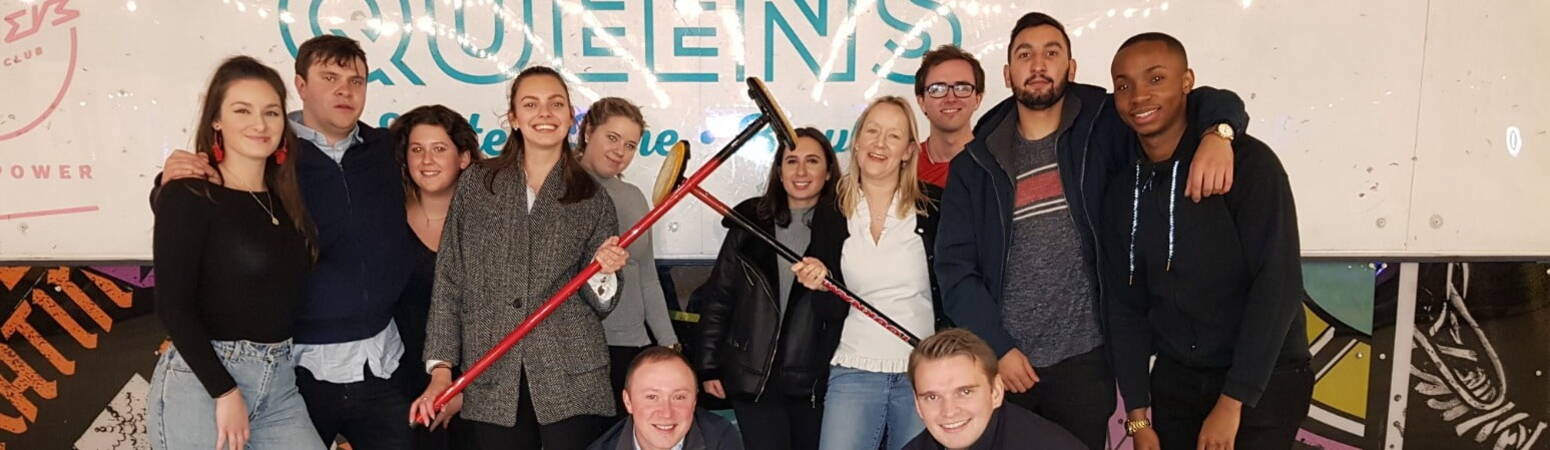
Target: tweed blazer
column 498, row 262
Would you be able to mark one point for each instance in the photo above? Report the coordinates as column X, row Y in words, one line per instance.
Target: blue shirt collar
column 318, row 139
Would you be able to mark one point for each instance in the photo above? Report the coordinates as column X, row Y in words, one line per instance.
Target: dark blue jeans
column 372, row 414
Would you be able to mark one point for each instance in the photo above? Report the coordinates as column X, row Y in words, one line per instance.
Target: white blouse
column 891, row 274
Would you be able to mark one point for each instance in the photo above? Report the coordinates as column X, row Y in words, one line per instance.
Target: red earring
column 279, row 156
column 220, row 153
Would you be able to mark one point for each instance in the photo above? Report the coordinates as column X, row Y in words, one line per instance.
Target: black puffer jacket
column 744, row 339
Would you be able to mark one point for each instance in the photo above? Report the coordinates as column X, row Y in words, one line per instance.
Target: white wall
column 1391, row 116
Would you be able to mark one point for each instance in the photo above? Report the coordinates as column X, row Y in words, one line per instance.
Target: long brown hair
column 278, row 178
column 775, row 205
column 578, row 184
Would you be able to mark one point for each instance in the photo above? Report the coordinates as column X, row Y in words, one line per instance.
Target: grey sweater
column 641, row 302
column 498, row 262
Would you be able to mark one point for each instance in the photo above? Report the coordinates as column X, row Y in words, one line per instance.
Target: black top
column 1216, row 285
column 224, row 272
column 411, row 314
column 364, row 247
column 1011, row 427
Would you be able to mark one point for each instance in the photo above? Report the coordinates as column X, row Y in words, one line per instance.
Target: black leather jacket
column 744, row 339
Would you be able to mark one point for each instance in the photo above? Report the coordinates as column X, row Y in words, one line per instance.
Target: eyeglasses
column 960, row 90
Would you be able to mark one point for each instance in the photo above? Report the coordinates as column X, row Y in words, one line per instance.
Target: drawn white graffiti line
column 1466, row 380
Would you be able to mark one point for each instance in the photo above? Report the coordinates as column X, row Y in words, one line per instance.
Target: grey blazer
column 498, row 262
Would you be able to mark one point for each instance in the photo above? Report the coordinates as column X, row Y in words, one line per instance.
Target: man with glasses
column 948, row 86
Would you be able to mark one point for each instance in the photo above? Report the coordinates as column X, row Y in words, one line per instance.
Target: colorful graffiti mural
column 1339, row 317
column 77, row 345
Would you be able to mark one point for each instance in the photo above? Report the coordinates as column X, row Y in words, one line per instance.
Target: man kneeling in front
column 660, row 392
column 958, row 396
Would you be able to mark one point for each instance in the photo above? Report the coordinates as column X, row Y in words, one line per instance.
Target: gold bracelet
column 1132, row 426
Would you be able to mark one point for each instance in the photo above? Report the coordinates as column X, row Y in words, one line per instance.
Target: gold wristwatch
column 1223, row 131
column 1132, row 426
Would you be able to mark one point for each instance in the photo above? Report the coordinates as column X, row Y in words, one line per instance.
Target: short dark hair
column 657, row 353
column 1171, row 42
column 1036, row 19
column 328, row 48
column 463, row 137
column 942, row 54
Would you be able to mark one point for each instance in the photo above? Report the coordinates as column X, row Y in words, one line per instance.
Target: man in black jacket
column 1017, row 253
column 1214, row 288
column 660, row 393
column 958, row 396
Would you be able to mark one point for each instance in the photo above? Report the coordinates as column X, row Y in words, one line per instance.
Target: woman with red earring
column 231, row 256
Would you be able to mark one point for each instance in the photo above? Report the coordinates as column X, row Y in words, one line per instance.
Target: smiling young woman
column 519, row 225
column 762, row 345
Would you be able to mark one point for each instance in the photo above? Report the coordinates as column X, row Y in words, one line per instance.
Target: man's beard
column 1035, row 101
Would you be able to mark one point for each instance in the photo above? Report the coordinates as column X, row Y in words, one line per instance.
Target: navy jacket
column 365, row 253
column 709, row 432
column 972, row 244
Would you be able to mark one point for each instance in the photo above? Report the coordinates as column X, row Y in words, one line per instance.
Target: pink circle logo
column 39, row 39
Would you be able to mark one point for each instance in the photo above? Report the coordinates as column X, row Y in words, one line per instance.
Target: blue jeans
column 181, row 414
column 861, row 408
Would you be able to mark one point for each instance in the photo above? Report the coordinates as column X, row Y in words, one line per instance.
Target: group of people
column 321, row 278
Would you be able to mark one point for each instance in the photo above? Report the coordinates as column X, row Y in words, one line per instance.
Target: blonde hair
column 954, row 342
column 912, row 197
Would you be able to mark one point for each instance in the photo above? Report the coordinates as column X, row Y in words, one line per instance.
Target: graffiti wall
column 1425, row 356
column 77, row 345
column 1479, row 357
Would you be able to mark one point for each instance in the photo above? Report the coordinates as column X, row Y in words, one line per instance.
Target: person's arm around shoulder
column 1211, row 171
column 183, row 164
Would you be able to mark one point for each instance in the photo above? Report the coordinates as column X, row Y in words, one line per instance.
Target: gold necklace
column 268, row 209
column 427, row 215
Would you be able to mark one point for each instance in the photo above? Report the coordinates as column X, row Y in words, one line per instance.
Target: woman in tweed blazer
column 520, row 226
